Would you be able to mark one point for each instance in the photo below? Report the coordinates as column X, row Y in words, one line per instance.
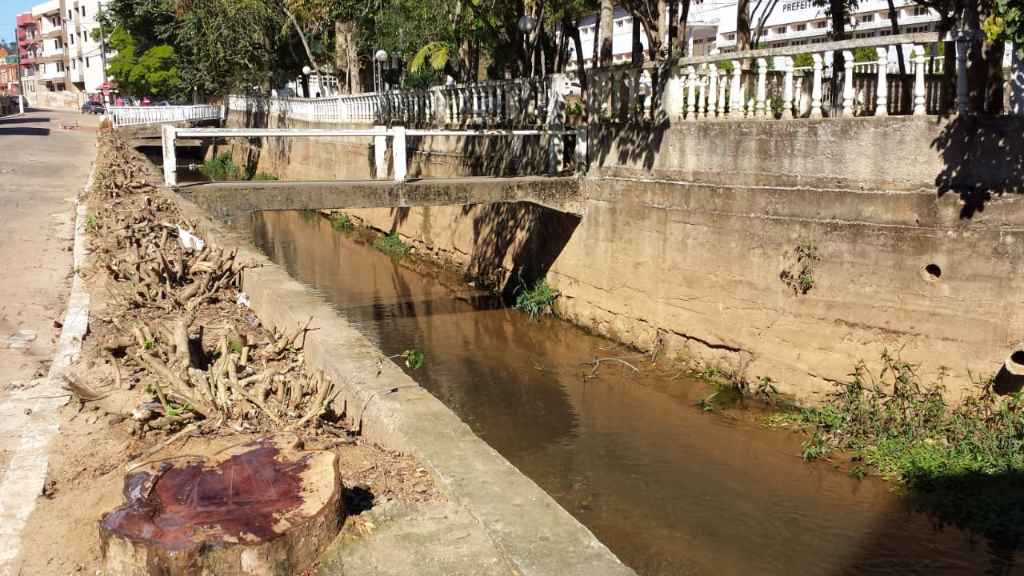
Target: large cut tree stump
column 262, row 509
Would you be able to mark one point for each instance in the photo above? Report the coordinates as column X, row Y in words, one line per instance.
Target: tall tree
column 605, row 32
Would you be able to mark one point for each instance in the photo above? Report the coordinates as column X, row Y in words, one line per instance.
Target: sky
column 9, row 9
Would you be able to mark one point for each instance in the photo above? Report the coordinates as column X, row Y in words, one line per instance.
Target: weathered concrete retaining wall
column 684, row 236
column 352, row 158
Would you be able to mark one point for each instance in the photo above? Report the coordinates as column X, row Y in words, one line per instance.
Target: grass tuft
column 222, row 168
column 392, row 245
column 536, row 300
column 342, row 223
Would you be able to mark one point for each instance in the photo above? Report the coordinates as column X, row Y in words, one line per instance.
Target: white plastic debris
column 243, row 300
column 190, row 241
column 21, row 339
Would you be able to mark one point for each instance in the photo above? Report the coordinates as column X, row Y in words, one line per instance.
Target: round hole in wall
column 1017, row 357
column 931, row 272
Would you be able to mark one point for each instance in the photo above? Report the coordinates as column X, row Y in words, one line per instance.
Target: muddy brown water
column 669, row 488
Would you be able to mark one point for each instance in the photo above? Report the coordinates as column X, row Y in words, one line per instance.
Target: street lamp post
column 306, row 70
column 526, row 26
column 379, row 58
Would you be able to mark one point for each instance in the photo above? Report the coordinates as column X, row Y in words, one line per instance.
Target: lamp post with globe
column 306, row 70
column 526, row 26
column 379, row 58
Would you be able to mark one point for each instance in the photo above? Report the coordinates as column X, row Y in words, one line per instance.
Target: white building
column 711, row 26
column 50, row 68
column 86, row 61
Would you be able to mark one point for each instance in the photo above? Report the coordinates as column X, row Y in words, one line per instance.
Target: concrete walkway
column 46, row 161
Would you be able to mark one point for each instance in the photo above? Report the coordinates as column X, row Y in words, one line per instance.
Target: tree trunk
column 994, row 92
column 346, row 57
column 664, row 23
column 581, row 70
column 638, row 47
column 742, row 25
column 217, row 516
column 606, row 31
column 683, row 44
column 894, row 23
column 838, row 9
column 302, row 37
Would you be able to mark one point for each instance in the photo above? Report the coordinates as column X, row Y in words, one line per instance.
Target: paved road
column 45, row 160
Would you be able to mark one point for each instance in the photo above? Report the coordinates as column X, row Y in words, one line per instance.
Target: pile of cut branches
column 171, row 294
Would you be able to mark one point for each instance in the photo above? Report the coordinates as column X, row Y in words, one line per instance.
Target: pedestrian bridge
column 235, row 201
column 152, row 115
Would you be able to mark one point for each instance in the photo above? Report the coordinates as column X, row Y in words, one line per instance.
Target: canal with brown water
column 669, row 488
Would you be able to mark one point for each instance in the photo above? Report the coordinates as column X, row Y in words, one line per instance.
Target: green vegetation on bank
column 536, row 300
column 221, row 168
column 342, row 223
column 962, row 463
column 392, row 245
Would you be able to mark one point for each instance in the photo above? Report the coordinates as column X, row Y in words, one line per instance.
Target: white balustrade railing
column 755, row 84
column 141, row 115
column 486, row 104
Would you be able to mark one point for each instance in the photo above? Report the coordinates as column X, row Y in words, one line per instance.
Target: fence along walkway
column 141, row 115
column 755, row 84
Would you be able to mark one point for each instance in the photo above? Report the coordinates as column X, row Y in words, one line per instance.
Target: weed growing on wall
column 536, row 300
column 221, row 168
column 799, row 274
column 963, row 463
column 392, row 245
column 342, row 223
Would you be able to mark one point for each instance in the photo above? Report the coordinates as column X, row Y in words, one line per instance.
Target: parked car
column 91, row 107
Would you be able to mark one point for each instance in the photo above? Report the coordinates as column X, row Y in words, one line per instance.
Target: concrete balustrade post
column 882, row 91
column 736, row 91
column 398, row 150
column 711, row 110
column 798, row 97
column 1017, row 82
column 691, row 95
column 702, row 103
column 761, row 94
column 555, row 121
column 919, row 86
column 673, row 101
column 722, row 81
column 380, row 150
column 847, row 84
column 168, row 135
column 582, row 157
column 787, row 89
column 963, row 48
column 816, row 87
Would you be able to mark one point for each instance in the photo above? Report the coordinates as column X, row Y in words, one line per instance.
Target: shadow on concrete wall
column 633, row 143
column 982, row 157
column 515, row 244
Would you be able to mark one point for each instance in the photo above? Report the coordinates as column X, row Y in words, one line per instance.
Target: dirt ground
column 101, row 437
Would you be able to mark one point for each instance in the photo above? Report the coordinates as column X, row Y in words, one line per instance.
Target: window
column 820, row 24
column 779, row 30
column 83, row 10
column 920, row 11
column 730, row 36
column 86, row 61
column 799, row 27
column 69, row 13
column 72, row 37
column 866, row 18
column 60, row 66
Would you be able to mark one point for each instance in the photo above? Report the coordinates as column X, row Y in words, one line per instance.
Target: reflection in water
column 669, row 489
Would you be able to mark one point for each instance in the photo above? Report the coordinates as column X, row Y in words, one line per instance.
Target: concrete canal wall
column 726, row 244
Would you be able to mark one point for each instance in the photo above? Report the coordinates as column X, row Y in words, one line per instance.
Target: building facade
column 711, row 25
column 58, row 51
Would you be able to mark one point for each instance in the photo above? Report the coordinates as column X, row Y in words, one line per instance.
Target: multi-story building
column 29, row 49
column 86, row 58
column 711, row 25
column 51, row 69
column 59, row 52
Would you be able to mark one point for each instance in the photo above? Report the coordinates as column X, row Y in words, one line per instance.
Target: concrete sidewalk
column 45, row 162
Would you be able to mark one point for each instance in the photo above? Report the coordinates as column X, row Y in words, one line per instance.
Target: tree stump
column 262, row 509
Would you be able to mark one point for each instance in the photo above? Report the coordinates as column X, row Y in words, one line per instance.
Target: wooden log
column 262, row 509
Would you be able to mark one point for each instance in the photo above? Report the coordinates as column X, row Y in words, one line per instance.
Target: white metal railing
column 380, row 134
column 141, row 115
